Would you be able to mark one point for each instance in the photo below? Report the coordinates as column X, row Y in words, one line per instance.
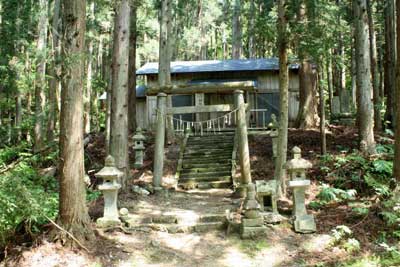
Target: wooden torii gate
column 241, row 125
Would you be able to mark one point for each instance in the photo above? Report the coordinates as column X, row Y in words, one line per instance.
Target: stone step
column 221, row 160
column 182, row 228
column 225, row 155
column 190, row 171
column 207, row 150
column 206, row 165
column 194, row 174
column 208, row 185
column 200, row 179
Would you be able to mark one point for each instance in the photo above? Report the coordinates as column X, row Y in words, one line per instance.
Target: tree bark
column 374, row 69
column 73, row 213
column 396, row 160
column 390, row 64
column 236, row 31
column 54, row 82
column 364, row 104
column 280, row 173
column 89, row 77
column 252, row 17
column 40, row 76
column 120, row 82
column 132, row 72
column 164, row 81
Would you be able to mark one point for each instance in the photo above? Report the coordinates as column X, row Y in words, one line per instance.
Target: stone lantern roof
column 298, row 163
column 109, row 172
column 139, row 135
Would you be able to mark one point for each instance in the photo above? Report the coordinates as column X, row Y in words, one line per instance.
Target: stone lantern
column 274, row 135
column 253, row 222
column 138, row 140
column 296, row 168
column 110, row 186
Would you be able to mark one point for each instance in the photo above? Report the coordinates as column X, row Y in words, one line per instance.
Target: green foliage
column 26, row 198
column 329, row 194
column 342, row 236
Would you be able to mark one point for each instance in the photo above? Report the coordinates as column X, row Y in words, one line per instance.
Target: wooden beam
column 200, row 109
column 217, row 87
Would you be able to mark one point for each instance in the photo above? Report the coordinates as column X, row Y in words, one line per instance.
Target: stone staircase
column 206, row 161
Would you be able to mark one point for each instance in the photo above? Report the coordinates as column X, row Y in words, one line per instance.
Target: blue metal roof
column 217, row 65
column 140, row 91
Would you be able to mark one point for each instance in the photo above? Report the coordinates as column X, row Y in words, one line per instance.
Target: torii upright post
column 244, row 157
column 160, row 139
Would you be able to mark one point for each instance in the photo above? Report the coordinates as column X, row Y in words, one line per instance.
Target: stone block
column 273, row 218
column 299, row 183
column 107, row 222
column 252, row 232
column 305, row 224
column 252, row 214
column 252, row 222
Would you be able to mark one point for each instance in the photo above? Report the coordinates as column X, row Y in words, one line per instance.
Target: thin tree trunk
column 120, row 83
column 389, row 78
column 236, row 31
column 330, row 85
column 53, row 73
column 252, row 17
column 364, row 103
column 280, row 173
column 374, row 68
column 40, row 75
column 73, row 213
column 88, row 92
column 396, row 160
column 322, row 111
column 164, row 81
column 132, row 73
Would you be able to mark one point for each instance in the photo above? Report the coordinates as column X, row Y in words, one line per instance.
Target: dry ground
column 280, row 247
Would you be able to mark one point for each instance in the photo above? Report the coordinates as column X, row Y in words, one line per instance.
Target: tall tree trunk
column 396, row 160
column 280, row 174
column 330, row 84
column 252, row 17
column 54, row 73
column 73, row 213
column 18, row 115
column 132, row 72
column 236, row 31
column 308, row 106
column 120, row 83
column 40, row 75
column 364, row 103
column 89, row 77
column 390, row 58
column 203, row 32
column 374, row 68
column 164, row 81
column 322, row 110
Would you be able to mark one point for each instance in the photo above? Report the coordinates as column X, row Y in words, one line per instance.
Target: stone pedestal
column 138, row 140
column 110, row 175
column 267, row 189
column 296, row 167
column 252, row 224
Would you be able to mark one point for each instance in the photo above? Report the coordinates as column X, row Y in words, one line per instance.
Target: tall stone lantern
column 296, row 168
column 138, row 140
column 110, row 186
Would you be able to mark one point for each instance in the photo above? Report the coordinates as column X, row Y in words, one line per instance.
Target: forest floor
column 280, row 247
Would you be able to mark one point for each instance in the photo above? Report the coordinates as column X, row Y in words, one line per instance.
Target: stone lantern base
column 104, row 222
column 305, row 224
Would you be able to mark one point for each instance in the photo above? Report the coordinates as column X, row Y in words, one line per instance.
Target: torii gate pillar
column 159, row 142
